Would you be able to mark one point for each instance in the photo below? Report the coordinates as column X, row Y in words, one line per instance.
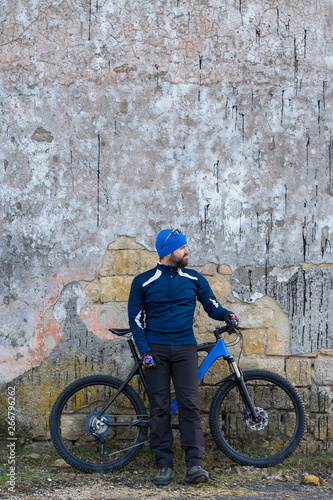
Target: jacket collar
column 166, row 269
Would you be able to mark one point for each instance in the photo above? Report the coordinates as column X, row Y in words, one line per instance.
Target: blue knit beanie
column 171, row 243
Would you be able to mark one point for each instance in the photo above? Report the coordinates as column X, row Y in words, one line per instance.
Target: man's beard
column 179, row 262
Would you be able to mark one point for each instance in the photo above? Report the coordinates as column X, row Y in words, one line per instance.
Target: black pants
column 181, row 364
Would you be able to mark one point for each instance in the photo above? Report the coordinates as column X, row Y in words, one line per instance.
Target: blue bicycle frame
column 216, row 350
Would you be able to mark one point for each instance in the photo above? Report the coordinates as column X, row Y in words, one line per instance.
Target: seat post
column 132, row 348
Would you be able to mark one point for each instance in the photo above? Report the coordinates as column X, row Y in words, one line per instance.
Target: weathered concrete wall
column 78, row 343
column 122, row 118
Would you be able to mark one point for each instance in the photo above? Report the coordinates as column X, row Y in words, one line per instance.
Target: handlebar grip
column 227, row 328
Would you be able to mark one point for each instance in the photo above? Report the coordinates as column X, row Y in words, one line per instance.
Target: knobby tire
column 281, row 428
column 73, row 416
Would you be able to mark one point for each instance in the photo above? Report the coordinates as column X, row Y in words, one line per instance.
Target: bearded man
column 161, row 307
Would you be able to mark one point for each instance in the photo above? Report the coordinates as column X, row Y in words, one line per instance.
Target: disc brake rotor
column 262, row 421
column 98, row 425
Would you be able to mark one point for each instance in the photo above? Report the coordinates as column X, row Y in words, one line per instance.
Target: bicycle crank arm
column 101, row 440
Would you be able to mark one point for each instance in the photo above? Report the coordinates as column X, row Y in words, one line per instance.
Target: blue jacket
column 161, row 306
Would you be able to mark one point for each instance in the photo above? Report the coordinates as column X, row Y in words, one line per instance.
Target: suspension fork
column 239, row 379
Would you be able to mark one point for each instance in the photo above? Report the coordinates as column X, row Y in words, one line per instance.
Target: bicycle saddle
column 120, row 331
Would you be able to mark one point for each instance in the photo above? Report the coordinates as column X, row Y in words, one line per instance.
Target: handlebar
column 227, row 328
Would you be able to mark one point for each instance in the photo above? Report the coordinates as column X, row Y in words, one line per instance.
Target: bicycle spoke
column 129, row 448
column 271, row 438
column 92, row 439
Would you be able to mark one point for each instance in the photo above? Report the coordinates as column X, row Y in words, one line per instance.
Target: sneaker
column 196, row 474
column 164, row 476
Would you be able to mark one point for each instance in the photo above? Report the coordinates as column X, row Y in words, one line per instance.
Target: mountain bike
column 99, row 423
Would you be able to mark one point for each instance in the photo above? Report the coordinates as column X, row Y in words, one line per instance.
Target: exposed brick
column 274, row 346
column 217, row 372
column 224, row 269
column 92, row 290
column 125, row 243
column 220, row 286
column 208, row 269
column 324, row 427
column 107, row 267
column 148, row 260
column 115, row 288
column 324, row 371
column 321, row 399
column 254, row 342
column 272, row 364
column 206, row 394
column 298, row 371
column 126, row 262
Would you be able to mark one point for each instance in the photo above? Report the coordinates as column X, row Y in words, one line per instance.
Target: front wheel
column 275, row 435
column 93, row 435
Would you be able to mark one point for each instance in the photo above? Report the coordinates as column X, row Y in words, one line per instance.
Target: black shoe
column 164, row 476
column 196, row 474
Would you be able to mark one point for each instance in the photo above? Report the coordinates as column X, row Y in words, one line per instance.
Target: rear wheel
column 93, row 441
column 281, row 423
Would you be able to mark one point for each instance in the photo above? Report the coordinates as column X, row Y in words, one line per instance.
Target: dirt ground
column 41, row 474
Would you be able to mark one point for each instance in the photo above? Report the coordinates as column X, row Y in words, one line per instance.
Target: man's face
column 178, row 258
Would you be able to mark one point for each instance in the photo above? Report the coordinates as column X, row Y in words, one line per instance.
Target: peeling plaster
column 216, row 119
column 71, row 292
column 304, row 294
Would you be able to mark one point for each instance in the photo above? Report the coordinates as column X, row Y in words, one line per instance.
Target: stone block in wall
column 310, row 446
column 209, row 269
column 224, row 269
column 115, row 288
column 272, row 364
column 148, row 260
column 125, row 243
column 321, row 399
column 206, row 394
column 217, row 372
column 203, row 324
column 107, row 266
column 324, row 427
column 298, row 371
column 205, row 425
column 305, row 395
column 220, row 285
column 256, row 315
column 323, row 371
column 275, row 346
column 92, row 290
column 126, row 262
column 316, row 399
column 253, row 342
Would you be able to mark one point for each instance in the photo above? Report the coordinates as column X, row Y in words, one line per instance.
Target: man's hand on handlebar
column 231, row 319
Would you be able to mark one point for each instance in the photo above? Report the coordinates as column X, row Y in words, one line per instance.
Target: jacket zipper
column 171, row 286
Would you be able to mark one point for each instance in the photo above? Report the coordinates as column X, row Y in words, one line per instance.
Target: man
column 161, row 308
